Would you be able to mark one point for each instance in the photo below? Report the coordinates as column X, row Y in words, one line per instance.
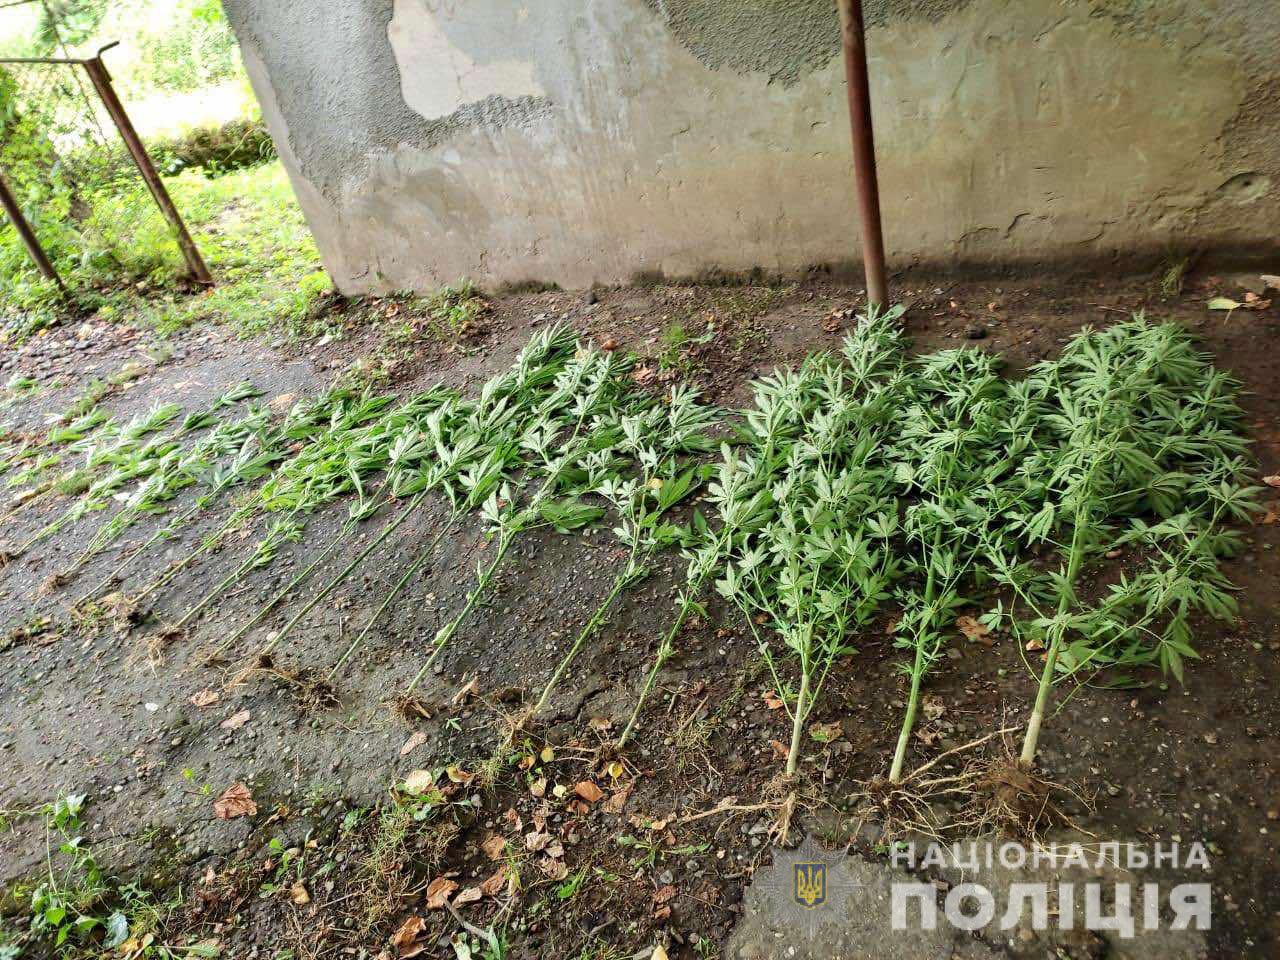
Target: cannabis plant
column 1149, row 455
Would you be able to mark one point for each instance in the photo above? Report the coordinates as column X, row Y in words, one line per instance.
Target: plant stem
column 288, row 589
column 665, row 649
column 1032, row 737
column 797, row 722
column 413, row 568
column 205, row 546
column 619, row 584
column 917, row 671
column 445, row 633
column 342, row 574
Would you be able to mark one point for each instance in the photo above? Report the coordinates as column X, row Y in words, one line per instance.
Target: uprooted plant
column 462, row 447
column 656, row 439
column 1146, row 427
column 969, row 465
column 819, row 562
column 177, row 470
column 318, row 471
column 571, row 447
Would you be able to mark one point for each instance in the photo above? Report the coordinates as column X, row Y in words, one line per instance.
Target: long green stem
column 589, row 628
column 138, row 550
column 797, row 721
column 665, row 649
column 288, row 589
column 342, row 575
column 205, row 546
column 1032, row 737
column 413, row 568
column 445, row 633
column 917, row 669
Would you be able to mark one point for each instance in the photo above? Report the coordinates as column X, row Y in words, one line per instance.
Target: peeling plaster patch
column 437, row 77
column 783, row 38
column 491, row 112
column 336, row 82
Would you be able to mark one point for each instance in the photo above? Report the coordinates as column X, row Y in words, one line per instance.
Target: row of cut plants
column 861, row 485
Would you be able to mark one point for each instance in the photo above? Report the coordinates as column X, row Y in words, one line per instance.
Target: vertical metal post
column 29, row 238
column 853, row 37
column 101, row 81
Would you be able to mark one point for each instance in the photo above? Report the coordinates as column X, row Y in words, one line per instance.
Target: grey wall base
column 576, row 141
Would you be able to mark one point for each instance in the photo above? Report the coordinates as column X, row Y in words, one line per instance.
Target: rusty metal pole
column 29, row 238
column 101, row 81
column 864, row 148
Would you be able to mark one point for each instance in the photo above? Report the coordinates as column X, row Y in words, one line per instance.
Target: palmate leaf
column 567, row 515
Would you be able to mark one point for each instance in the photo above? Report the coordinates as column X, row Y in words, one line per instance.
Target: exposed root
column 311, row 689
column 411, row 709
column 124, row 612
column 52, row 583
column 987, row 794
column 160, row 641
column 1021, row 803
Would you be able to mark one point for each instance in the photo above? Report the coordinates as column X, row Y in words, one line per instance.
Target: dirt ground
column 107, row 710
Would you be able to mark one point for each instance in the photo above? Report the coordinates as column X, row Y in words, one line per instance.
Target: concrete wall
column 593, row 140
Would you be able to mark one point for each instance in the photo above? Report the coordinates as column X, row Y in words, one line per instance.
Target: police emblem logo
column 806, row 888
column 810, row 884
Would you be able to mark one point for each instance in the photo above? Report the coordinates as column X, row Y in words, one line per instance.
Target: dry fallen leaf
column 539, row 787
column 588, row 791
column 658, row 953
column 419, row 781
column 553, row 869
column 771, row 700
column 236, row 801
column 468, row 691
column 1272, row 514
column 493, row 846
column 493, row 886
column 664, row 894
column 416, row 739
column 282, row 402
column 974, row 630
column 298, row 894
column 457, row 775
column 618, row 800
column 405, row 940
column 204, row 698
column 934, row 708
column 235, row 721
column 1273, row 480
column 469, row 895
column 438, row 892
column 779, row 749
column 536, row 840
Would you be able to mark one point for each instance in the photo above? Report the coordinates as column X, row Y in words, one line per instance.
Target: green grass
column 257, row 245
column 121, row 260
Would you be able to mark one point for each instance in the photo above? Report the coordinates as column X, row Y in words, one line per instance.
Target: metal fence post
column 29, row 238
column 101, row 81
column 853, row 36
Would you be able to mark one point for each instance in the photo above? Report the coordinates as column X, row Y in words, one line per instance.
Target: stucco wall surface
column 577, row 141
